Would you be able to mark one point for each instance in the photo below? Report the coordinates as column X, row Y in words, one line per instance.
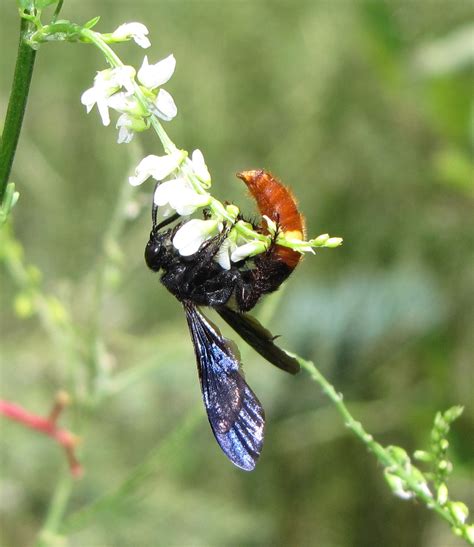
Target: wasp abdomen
column 276, row 202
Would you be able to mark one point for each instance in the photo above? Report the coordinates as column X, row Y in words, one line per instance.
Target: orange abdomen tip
column 276, row 202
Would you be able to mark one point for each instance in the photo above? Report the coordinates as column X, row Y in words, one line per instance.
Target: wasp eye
column 153, row 253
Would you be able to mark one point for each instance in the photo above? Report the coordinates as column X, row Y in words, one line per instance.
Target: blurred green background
column 364, row 109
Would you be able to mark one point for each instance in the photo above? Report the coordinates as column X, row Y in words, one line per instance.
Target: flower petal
column 188, row 198
column 123, row 76
column 223, row 255
column 104, row 111
column 88, row 98
column 165, row 190
column 158, row 167
column 180, row 196
column 106, row 83
column 200, row 168
column 193, row 234
column 123, row 102
column 152, row 76
column 247, row 249
column 165, row 107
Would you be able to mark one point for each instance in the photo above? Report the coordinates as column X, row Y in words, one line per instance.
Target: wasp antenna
column 154, row 207
column 165, row 222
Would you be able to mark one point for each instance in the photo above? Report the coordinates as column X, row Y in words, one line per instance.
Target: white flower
column 106, row 83
column 180, row 196
column 248, row 249
column 128, row 126
column 200, row 168
column 125, row 102
column 131, row 121
column 223, row 254
column 153, row 76
column 115, row 88
column 165, row 107
column 193, row 234
column 137, row 31
column 156, row 75
column 91, row 97
column 158, row 167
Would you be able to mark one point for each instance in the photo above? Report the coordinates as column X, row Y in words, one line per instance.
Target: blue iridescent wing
column 236, row 416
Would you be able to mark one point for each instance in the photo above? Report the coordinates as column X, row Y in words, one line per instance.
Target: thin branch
column 47, row 426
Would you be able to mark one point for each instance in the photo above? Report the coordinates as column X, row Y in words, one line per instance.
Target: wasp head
column 155, row 250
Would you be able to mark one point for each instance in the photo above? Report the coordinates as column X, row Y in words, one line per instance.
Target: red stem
column 47, row 426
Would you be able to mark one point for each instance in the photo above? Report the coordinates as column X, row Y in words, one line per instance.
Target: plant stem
column 56, row 511
column 47, row 426
column 380, row 452
column 57, row 11
column 16, row 106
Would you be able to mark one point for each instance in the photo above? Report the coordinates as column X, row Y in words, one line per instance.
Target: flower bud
column 459, row 511
column 333, row 242
column 320, row 240
column 442, row 494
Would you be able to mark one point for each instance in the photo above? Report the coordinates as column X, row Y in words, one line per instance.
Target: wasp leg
column 205, row 256
column 217, row 290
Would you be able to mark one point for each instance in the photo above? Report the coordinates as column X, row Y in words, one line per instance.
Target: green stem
column 56, row 511
column 16, row 106
column 381, row 453
column 95, row 38
column 57, row 11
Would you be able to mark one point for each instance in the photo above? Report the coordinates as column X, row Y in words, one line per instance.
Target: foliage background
column 364, row 108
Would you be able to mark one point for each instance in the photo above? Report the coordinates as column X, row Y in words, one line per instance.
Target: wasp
column 235, row 414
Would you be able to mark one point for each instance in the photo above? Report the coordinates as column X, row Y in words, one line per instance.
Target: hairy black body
column 201, row 280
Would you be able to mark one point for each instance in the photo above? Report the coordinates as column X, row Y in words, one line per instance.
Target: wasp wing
column 236, row 416
column 261, row 339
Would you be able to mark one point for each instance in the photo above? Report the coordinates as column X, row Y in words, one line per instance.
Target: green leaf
column 92, row 22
